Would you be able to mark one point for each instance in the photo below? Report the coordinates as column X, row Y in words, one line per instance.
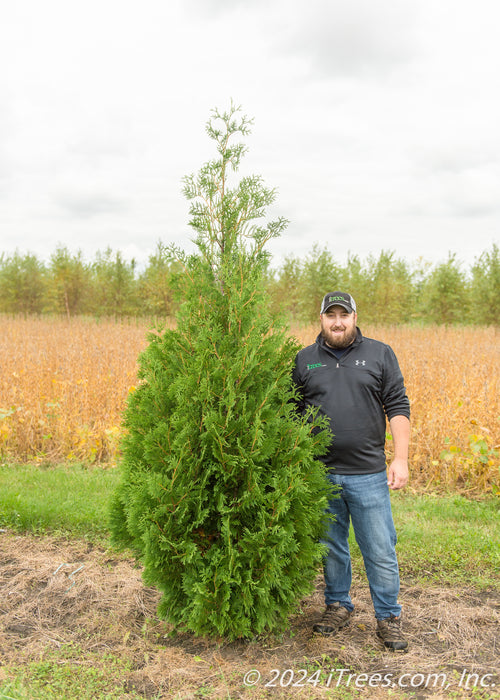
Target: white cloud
column 376, row 122
column 86, row 205
column 357, row 38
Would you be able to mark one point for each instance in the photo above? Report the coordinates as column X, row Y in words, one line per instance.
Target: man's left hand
column 397, row 475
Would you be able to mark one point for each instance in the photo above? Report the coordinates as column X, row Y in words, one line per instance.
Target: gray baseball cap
column 338, row 299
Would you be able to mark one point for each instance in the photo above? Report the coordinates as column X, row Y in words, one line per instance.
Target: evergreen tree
column 221, row 493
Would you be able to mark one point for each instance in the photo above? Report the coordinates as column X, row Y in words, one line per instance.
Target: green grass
column 69, row 500
column 58, row 678
column 445, row 539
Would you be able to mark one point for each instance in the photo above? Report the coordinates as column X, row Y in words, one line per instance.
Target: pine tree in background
column 221, row 492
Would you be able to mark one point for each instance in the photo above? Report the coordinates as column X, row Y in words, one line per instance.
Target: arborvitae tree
column 221, row 493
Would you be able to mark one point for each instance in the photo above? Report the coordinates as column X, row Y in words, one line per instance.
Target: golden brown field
column 64, row 384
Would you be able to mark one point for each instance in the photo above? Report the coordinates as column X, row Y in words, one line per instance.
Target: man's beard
column 342, row 341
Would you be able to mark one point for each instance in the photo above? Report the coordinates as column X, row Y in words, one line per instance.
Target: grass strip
column 69, row 499
column 448, row 538
column 445, row 539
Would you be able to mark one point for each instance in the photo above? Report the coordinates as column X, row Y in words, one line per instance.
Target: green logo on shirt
column 318, row 364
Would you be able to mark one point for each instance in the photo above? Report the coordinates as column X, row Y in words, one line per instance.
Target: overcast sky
column 377, row 121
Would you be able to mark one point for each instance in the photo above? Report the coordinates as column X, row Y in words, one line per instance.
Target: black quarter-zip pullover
column 357, row 391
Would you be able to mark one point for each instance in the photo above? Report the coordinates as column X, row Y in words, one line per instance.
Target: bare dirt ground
column 81, row 605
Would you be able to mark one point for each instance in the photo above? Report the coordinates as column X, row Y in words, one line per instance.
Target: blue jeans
column 364, row 499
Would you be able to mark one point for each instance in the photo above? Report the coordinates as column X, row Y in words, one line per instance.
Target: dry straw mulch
column 79, row 604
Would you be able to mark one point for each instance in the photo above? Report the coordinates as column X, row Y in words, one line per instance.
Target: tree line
column 388, row 289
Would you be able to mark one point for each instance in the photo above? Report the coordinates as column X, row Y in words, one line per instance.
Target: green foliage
column 221, row 494
column 285, row 289
column 445, row 293
column 390, row 294
column 320, row 273
column 68, row 280
column 384, row 286
column 155, row 283
column 113, row 284
column 485, row 287
column 477, row 464
column 22, row 284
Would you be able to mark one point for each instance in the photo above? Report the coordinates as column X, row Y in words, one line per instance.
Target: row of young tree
column 387, row 288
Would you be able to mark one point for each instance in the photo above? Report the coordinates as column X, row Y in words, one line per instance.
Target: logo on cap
column 338, row 298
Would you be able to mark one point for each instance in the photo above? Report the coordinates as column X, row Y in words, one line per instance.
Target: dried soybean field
column 64, row 384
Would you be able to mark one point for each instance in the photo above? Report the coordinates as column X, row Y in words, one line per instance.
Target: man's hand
column 397, row 475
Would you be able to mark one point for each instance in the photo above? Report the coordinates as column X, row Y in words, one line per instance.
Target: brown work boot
column 334, row 618
column 389, row 631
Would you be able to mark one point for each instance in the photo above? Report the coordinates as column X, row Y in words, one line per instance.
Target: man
column 357, row 383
